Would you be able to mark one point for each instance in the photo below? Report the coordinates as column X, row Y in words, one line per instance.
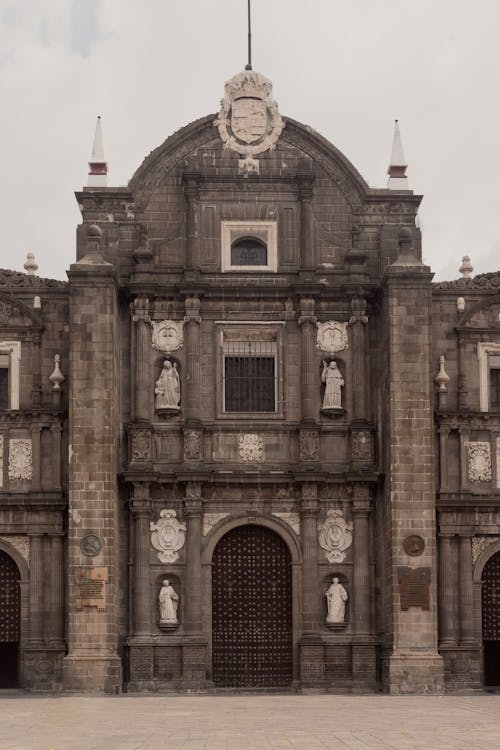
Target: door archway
column 251, row 609
column 10, row 621
column 491, row 620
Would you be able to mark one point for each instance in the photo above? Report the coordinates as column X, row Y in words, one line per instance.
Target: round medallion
column 91, row 545
column 414, row 545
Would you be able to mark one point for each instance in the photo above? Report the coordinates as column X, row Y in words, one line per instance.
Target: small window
column 4, row 383
column 248, row 251
column 249, row 376
column 495, row 389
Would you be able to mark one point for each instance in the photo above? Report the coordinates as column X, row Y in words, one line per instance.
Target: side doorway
column 10, row 621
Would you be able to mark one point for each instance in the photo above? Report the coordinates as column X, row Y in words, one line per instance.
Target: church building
column 249, row 444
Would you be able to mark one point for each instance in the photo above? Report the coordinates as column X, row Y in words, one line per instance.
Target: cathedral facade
column 249, row 444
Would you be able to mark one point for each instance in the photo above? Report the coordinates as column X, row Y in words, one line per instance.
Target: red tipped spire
column 98, row 166
column 397, row 165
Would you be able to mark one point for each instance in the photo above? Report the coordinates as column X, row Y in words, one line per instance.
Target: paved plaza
column 250, row 722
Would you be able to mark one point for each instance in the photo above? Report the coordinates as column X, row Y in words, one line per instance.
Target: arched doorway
column 251, row 609
column 10, row 617
column 491, row 620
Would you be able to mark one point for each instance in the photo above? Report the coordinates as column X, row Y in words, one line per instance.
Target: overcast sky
column 348, row 69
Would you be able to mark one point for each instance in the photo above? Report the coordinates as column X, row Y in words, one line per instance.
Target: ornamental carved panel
column 361, row 445
column 168, row 336
column 192, row 445
column 478, row 461
column 168, row 536
column 309, row 445
column 140, row 445
column 251, row 448
column 20, row 459
column 335, row 536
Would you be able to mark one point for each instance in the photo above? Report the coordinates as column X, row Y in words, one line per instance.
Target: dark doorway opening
column 10, row 612
column 491, row 621
column 252, row 609
column 8, row 661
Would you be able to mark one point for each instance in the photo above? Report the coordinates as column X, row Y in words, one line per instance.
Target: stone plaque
column 91, row 587
column 414, row 587
column 414, row 545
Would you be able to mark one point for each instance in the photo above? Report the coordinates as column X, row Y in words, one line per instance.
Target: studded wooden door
column 491, row 620
column 251, row 609
column 10, row 608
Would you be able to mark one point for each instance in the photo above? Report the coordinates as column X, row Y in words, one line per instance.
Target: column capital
column 139, row 310
column 140, row 491
column 309, row 491
column 193, row 507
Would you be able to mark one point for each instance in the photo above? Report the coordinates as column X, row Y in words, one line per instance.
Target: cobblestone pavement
column 271, row 722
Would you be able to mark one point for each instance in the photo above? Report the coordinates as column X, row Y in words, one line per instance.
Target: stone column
column 57, row 591
column 447, row 593
column 192, row 193
column 311, row 644
column 357, row 328
column 192, row 594
column 141, row 513
column 443, row 458
column 466, row 592
column 142, row 388
column 306, row 179
column 462, row 392
column 55, row 432
column 362, row 596
column 36, row 620
column 191, row 396
column 309, row 373
column 36, row 432
column 36, row 389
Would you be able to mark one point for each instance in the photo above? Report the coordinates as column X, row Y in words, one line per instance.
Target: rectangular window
column 495, row 389
column 4, row 381
column 250, row 376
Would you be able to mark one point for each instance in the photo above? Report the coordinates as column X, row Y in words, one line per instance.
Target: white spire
column 397, row 165
column 98, row 166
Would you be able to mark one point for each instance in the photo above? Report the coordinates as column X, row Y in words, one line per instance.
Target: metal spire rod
column 248, row 66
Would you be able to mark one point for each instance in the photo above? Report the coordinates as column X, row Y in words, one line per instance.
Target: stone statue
column 169, row 601
column 167, row 387
column 333, row 381
column 336, row 597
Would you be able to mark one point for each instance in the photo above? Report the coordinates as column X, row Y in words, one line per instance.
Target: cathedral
column 249, row 444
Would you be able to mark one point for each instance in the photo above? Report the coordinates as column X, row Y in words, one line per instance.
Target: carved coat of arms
column 168, row 535
column 335, row 536
column 168, row 336
column 332, row 337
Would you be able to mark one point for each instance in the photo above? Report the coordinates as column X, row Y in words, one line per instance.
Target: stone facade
column 389, row 484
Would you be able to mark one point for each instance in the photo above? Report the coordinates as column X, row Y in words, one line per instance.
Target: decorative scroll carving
column 168, row 536
column 480, row 281
column 168, row 336
column 361, row 445
column 139, row 310
column 414, row 587
column 21, row 544
column 292, row 519
column 211, row 519
column 140, row 445
column 480, row 543
column 192, row 445
column 251, row 447
column 16, row 279
column 332, row 337
column 479, row 461
column 20, row 459
column 335, row 536
column 91, row 587
column 309, row 445
column 486, row 317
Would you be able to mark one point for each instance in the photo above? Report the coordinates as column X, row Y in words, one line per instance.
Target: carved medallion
column 309, row 445
column 168, row 336
column 413, row 545
column 140, row 445
column 251, row 447
column 249, row 122
column 335, row 536
column 332, row 337
column 479, row 461
column 20, row 459
column 168, row 536
column 90, row 545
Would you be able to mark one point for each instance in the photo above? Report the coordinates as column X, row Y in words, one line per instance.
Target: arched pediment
column 177, row 149
column 14, row 314
column 485, row 314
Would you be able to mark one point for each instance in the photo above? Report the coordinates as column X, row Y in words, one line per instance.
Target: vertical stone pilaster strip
column 357, row 330
column 36, row 431
column 443, row 458
column 466, row 593
column 36, row 391
column 192, row 594
column 191, row 398
column 447, row 593
column 462, row 393
column 309, row 514
column 306, row 185
column 141, row 512
column 362, row 609
column 56, row 430
column 309, row 376
column 192, row 193
column 57, row 591
column 142, row 397
column 36, row 621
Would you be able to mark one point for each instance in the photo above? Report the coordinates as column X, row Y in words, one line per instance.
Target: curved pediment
column 14, row 314
column 485, row 314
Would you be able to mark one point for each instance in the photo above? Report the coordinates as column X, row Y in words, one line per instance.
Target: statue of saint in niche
column 169, row 601
column 333, row 381
column 167, row 387
column 336, row 597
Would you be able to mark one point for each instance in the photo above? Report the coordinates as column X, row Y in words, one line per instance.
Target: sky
column 347, row 69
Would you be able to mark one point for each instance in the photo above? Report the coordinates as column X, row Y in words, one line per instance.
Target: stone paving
column 250, row 722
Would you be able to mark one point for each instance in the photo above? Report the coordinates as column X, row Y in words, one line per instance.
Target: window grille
column 250, row 376
column 495, row 389
column 248, row 251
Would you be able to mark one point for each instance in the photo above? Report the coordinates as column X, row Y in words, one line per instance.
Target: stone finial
column 57, row 377
column 98, row 166
column 466, row 268
column 397, row 164
column 460, row 304
column 442, row 378
column 31, row 267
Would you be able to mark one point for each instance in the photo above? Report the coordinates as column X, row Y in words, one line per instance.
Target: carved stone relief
column 168, row 536
column 20, row 459
column 251, row 447
column 309, row 445
column 335, row 536
column 140, row 445
column 480, row 543
column 21, row 544
column 192, row 445
column 332, row 337
column 479, row 461
column 168, row 336
column 292, row 519
column 361, row 446
column 211, row 519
